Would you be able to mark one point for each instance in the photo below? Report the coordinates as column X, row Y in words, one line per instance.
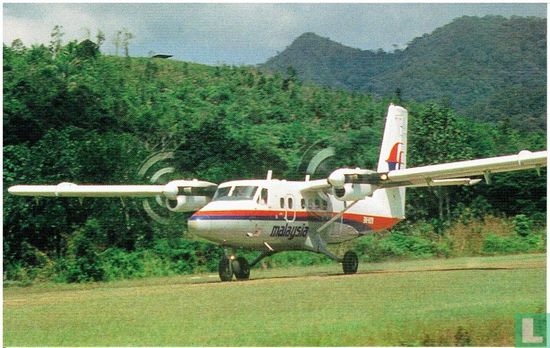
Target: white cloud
column 78, row 23
column 239, row 33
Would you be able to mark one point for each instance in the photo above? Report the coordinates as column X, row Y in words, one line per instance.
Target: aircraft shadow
column 366, row 273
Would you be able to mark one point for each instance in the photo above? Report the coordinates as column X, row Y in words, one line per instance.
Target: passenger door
column 290, row 208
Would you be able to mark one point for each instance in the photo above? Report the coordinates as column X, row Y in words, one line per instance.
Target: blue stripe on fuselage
column 355, row 224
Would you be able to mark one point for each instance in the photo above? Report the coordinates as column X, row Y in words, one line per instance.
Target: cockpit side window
column 263, row 197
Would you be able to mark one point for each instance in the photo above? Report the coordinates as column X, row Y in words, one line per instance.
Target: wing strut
column 335, row 217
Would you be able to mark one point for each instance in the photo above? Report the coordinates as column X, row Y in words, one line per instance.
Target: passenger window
column 303, row 203
column 290, row 203
column 282, row 200
column 317, row 204
column 325, row 204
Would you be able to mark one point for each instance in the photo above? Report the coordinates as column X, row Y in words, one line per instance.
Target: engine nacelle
column 353, row 192
column 342, row 176
column 183, row 204
column 353, row 184
column 188, row 195
column 193, row 187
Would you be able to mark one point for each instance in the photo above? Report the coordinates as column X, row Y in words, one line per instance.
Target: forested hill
column 489, row 68
column 74, row 115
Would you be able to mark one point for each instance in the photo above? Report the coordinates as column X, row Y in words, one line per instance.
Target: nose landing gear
column 230, row 266
column 225, row 269
column 241, row 268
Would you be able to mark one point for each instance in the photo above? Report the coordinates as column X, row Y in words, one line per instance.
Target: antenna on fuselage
column 269, row 174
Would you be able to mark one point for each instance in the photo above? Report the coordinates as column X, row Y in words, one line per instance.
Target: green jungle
column 73, row 114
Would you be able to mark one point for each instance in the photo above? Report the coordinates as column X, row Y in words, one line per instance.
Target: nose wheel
column 225, row 270
column 230, row 266
column 241, row 268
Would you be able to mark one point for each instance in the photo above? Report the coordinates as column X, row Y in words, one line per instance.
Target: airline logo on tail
column 395, row 160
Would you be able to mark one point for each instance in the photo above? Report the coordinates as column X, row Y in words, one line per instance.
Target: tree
column 87, row 49
column 100, row 38
column 117, row 40
column 56, row 42
column 126, row 37
column 436, row 135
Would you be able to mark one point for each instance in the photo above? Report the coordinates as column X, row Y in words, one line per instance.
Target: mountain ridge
column 488, row 68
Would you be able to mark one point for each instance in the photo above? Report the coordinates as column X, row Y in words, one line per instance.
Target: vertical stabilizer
column 394, row 143
column 393, row 156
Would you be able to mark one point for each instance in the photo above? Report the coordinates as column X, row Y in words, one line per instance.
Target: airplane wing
column 459, row 173
column 68, row 189
column 447, row 174
column 182, row 195
column 314, row 185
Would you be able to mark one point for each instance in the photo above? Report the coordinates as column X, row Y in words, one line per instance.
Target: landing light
column 384, row 177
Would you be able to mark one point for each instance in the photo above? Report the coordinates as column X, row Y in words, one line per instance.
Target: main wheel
column 350, row 263
column 241, row 268
column 225, row 270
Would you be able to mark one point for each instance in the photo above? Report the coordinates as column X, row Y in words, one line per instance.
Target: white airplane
column 274, row 215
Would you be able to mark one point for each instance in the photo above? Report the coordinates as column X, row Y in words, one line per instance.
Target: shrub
column 522, row 225
column 370, row 249
column 119, row 264
column 514, row 244
column 378, row 247
column 296, row 258
column 83, row 262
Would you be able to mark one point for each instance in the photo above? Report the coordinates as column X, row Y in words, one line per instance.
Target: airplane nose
column 198, row 226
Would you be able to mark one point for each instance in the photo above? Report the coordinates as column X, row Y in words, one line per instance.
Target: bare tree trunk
column 126, row 214
column 440, row 199
column 448, row 204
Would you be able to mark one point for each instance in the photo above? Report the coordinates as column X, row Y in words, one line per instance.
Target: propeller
column 318, row 159
column 157, row 169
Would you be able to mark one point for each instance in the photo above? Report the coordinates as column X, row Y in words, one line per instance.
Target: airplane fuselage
column 278, row 214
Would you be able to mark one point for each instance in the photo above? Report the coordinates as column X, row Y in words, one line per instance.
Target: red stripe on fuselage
column 377, row 222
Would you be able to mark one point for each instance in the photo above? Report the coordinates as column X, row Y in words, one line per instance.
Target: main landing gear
column 239, row 267
column 350, row 262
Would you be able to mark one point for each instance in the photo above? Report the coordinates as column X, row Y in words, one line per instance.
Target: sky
column 246, row 33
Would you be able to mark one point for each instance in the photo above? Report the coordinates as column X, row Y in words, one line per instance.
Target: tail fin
column 393, row 156
column 394, row 144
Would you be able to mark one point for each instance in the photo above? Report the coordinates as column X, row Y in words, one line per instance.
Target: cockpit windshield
column 221, row 193
column 235, row 193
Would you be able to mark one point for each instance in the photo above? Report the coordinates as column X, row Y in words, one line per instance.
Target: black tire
column 241, row 268
column 225, row 270
column 350, row 262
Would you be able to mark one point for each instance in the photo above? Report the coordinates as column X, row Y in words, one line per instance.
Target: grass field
column 468, row 301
